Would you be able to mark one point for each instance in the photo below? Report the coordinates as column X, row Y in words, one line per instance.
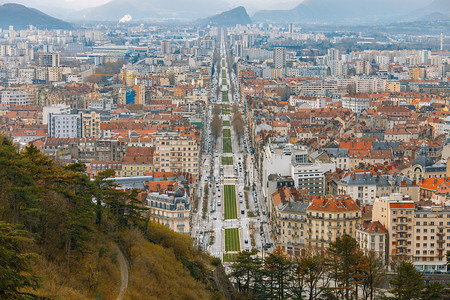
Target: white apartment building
column 57, row 109
column 356, row 103
column 65, row 125
column 15, row 97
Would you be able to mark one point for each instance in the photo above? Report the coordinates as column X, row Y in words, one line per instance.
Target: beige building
column 136, row 166
column 431, row 238
column 420, row 234
column 329, row 217
column 301, row 225
column 372, row 237
column 177, row 154
column 91, row 124
column 171, row 209
column 396, row 213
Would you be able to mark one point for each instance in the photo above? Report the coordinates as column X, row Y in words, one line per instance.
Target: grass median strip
column 232, row 240
column 226, row 123
column 230, row 204
column 227, row 147
column 224, row 96
column 228, row 161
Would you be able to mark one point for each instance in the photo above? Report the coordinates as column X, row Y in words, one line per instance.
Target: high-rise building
column 279, row 57
column 49, row 59
column 165, row 47
column 333, row 54
column 291, row 28
column 65, row 125
column 57, row 109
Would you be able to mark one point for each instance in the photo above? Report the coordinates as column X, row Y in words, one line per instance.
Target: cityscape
column 164, row 151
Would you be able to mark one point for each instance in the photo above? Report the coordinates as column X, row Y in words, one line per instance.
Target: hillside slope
column 56, row 242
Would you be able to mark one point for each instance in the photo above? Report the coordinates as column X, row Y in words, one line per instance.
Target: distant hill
column 21, row 17
column 340, row 11
column 231, row 17
column 436, row 10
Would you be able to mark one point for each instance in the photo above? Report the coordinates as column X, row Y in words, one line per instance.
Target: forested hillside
column 61, row 233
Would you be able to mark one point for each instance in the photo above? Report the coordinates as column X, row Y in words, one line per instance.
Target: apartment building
column 291, row 227
column 329, row 217
column 431, row 238
column 91, row 124
column 177, row 154
column 396, row 213
column 372, row 237
column 65, row 125
column 171, row 209
column 418, row 234
column 301, row 224
column 356, row 102
column 15, row 97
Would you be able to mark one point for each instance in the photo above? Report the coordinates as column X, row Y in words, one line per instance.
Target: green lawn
column 226, row 123
column 224, row 81
column 223, row 62
column 227, row 133
column 228, row 161
column 229, row 257
column 225, row 109
column 227, row 147
column 224, row 96
column 232, row 240
column 230, row 205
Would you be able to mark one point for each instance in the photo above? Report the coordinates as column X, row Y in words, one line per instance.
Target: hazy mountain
column 21, row 16
column 341, row 11
column 152, row 9
column 231, row 17
column 436, row 10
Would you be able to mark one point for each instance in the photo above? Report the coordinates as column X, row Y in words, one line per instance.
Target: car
column 219, row 203
column 242, row 212
column 215, row 218
column 240, row 201
column 246, row 241
column 241, row 194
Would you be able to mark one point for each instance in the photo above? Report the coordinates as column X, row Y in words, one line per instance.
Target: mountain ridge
column 232, row 17
column 21, row 16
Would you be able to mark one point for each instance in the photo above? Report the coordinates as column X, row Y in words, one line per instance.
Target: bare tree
column 282, row 92
column 238, row 125
column 234, row 108
column 216, row 126
column 218, row 90
column 309, row 277
column 172, row 78
column 217, row 109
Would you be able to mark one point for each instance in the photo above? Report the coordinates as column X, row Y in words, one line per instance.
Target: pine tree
column 277, row 268
column 343, row 259
column 408, row 283
column 15, row 272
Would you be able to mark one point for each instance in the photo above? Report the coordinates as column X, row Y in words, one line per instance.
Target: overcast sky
column 250, row 5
